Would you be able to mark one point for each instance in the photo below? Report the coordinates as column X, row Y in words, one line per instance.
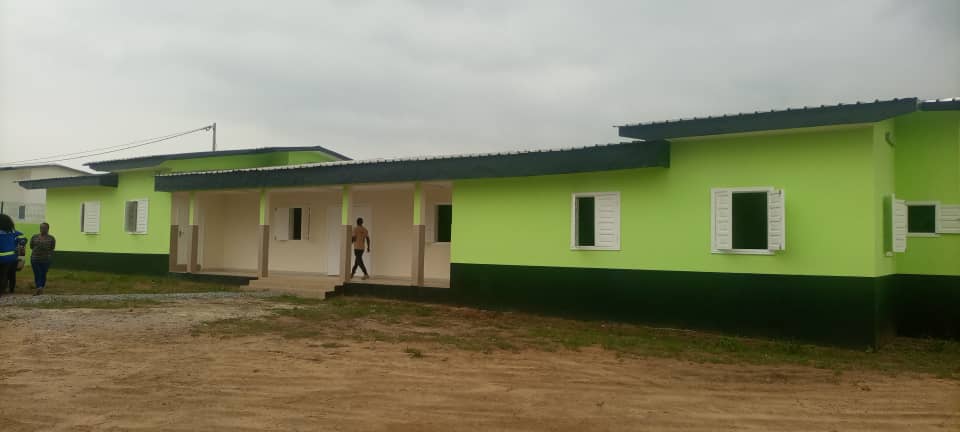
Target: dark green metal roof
column 104, row 180
column 152, row 161
column 860, row 112
column 952, row 104
column 608, row 157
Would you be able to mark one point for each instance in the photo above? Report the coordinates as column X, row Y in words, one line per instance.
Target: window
column 595, row 221
column 444, row 222
column 135, row 216
column 90, row 217
column 22, row 212
column 291, row 223
column 748, row 220
column 921, row 218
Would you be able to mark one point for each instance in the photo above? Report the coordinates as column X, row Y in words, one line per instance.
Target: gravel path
column 13, row 300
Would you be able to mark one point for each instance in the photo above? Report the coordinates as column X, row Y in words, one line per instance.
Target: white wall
column 308, row 254
column 9, row 189
column 436, row 261
column 392, row 228
column 230, row 229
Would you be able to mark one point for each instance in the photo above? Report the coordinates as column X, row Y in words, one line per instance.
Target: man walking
column 360, row 237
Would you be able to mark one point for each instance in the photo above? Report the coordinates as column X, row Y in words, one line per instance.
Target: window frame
column 436, row 222
column 135, row 222
column 936, row 218
column 713, row 218
column 573, row 221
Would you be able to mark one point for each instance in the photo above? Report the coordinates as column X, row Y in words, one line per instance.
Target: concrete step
column 304, row 286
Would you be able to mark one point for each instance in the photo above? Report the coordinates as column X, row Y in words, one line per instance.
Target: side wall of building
column 112, row 249
column 927, row 288
column 511, row 240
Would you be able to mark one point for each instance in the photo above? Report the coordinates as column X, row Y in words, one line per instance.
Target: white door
column 366, row 213
column 182, row 205
column 334, row 238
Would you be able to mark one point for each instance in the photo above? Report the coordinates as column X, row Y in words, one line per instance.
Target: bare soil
column 140, row 368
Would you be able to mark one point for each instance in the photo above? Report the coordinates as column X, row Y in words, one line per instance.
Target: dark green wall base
column 927, row 305
column 113, row 262
column 213, row 278
column 398, row 292
column 847, row 311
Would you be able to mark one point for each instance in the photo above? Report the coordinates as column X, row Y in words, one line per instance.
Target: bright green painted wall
column 63, row 214
column 928, row 169
column 294, row 158
column 245, row 161
column 883, row 187
column 832, row 216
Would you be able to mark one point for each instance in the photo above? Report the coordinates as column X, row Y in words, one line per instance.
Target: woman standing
column 10, row 242
column 42, row 246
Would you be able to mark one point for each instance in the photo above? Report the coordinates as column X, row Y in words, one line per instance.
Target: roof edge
column 156, row 160
column 103, row 180
column 629, row 155
column 824, row 115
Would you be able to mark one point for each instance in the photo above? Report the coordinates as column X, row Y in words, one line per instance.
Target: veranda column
column 346, row 246
column 419, row 235
column 263, row 255
column 193, row 256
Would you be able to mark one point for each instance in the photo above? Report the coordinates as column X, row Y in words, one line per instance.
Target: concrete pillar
column 193, row 254
column 263, row 255
column 346, row 246
column 419, row 236
column 174, row 246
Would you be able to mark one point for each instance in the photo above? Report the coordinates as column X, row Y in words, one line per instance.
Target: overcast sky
column 392, row 78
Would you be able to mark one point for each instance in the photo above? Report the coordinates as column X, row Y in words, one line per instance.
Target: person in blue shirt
column 11, row 242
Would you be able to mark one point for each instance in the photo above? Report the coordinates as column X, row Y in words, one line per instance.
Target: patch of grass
column 333, row 345
column 413, row 352
column 92, row 304
column 294, row 300
column 366, row 320
column 65, row 281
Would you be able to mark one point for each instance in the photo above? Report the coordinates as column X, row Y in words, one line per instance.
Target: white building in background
column 24, row 205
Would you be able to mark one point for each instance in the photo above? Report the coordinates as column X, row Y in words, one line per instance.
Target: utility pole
column 214, row 136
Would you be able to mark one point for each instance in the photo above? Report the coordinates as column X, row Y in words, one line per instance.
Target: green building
column 837, row 224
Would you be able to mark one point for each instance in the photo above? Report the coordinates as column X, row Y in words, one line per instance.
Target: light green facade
column 64, row 207
column 246, row 161
column 64, row 204
column 928, row 169
column 833, row 201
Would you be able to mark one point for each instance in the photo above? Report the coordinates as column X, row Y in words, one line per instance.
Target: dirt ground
column 141, row 369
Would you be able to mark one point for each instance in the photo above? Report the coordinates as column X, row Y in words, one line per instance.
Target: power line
column 103, row 150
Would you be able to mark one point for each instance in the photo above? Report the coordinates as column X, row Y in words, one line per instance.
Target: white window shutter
column 722, row 219
column 948, row 219
column 142, row 214
column 91, row 217
column 899, row 215
column 607, row 220
column 281, row 224
column 776, row 223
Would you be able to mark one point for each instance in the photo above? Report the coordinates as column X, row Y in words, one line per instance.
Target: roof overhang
column 101, row 180
column 156, row 160
column 952, row 104
column 833, row 115
column 523, row 164
column 50, row 165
